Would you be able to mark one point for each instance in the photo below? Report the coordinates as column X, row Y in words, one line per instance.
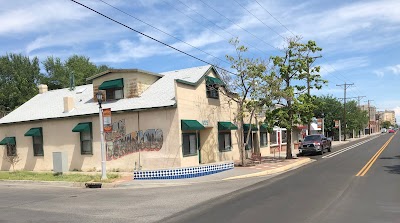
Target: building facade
column 174, row 119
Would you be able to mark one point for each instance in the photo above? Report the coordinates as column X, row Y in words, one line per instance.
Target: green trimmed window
column 250, row 143
column 263, row 139
column 274, row 137
column 11, row 150
column 224, row 141
column 37, row 140
column 114, row 89
column 263, row 135
column 86, row 137
column 284, row 136
column 38, row 145
column 10, row 144
column 190, row 144
column 212, row 85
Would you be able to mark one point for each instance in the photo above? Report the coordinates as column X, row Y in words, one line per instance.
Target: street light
column 99, row 96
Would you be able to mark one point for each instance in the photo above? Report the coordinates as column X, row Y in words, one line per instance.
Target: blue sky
column 360, row 39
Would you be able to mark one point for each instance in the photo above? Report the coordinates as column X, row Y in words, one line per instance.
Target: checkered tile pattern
column 184, row 172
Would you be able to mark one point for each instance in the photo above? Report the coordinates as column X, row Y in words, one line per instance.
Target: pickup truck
column 315, row 144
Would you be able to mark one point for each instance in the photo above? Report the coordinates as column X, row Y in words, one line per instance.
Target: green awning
column 246, row 127
column 263, row 127
column 8, row 141
column 191, row 125
column 82, row 127
column 118, row 83
column 214, row 81
column 34, row 132
column 226, row 126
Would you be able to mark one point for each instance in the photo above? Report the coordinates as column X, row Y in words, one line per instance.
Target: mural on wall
column 119, row 143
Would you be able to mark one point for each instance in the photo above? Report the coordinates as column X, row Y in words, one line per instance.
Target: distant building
column 373, row 125
column 389, row 116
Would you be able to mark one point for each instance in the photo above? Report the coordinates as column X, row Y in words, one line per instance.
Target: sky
column 360, row 39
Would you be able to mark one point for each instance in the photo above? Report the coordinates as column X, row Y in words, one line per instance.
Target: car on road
column 316, row 143
column 383, row 130
column 391, row 131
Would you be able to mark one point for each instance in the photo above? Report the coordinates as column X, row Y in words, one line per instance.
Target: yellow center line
column 367, row 166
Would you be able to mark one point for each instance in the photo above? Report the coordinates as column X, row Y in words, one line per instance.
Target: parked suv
column 315, row 144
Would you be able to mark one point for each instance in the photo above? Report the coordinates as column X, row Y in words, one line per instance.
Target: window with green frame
column 37, row 140
column 11, row 150
column 38, row 145
column 224, row 141
column 250, row 144
column 86, row 142
column 263, row 139
column 273, row 137
column 284, row 136
column 190, row 144
column 86, row 137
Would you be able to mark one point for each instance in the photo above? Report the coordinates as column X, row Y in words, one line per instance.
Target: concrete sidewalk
column 337, row 143
column 268, row 166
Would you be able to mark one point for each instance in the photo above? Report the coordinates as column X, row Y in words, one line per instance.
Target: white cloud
column 31, row 16
column 343, row 65
column 395, row 69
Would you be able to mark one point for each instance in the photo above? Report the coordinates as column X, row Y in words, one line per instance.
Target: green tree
column 58, row 72
column 253, row 87
column 356, row 118
column 19, row 76
column 330, row 108
column 292, row 70
column 386, row 124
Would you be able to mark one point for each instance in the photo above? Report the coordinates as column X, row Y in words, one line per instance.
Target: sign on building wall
column 319, row 123
column 107, row 120
column 336, row 123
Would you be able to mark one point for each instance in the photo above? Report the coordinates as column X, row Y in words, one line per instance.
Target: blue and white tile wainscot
column 183, row 172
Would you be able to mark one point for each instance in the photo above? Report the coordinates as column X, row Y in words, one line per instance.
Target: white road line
column 348, row 148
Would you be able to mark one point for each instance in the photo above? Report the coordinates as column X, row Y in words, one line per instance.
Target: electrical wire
column 240, row 26
column 152, row 38
column 170, row 35
column 260, row 20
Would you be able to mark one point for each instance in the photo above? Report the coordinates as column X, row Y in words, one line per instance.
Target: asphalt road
column 41, row 203
column 325, row 191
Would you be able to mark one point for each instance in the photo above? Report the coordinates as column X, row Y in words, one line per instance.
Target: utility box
column 60, row 162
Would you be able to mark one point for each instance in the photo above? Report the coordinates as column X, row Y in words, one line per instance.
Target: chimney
column 42, row 88
column 68, row 104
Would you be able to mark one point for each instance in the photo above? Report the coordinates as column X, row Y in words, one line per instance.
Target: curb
column 302, row 162
column 56, row 183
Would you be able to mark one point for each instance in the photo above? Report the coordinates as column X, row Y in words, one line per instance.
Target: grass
column 73, row 177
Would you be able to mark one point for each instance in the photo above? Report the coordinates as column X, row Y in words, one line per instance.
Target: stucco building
column 174, row 119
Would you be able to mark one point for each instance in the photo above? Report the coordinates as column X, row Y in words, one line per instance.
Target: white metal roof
column 51, row 105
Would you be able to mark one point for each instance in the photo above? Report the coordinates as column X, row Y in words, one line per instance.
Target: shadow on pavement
column 390, row 158
column 393, row 169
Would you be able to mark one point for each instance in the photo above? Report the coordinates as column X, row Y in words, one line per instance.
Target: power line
column 260, row 20
column 239, row 26
column 152, row 38
column 295, row 35
column 130, row 15
column 209, row 22
column 275, row 18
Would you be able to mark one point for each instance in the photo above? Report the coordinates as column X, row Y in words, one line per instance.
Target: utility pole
column 308, row 84
column 369, row 117
column 344, row 107
column 359, row 99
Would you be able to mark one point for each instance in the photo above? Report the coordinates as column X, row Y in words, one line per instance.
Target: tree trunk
column 241, row 137
column 289, row 127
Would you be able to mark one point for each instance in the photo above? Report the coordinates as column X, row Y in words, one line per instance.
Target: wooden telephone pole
column 344, row 107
